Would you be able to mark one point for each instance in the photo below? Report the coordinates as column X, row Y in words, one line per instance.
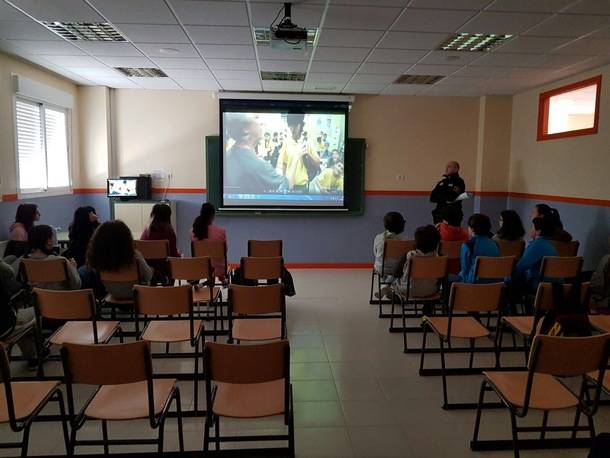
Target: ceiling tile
column 472, row 71
column 97, row 72
column 336, row 78
column 282, row 86
column 232, row 64
column 403, row 56
column 199, row 73
column 412, row 40
column 559, row 60
column 432, row 20
column 449, row 57
column 236, row 74
column 502, row 23
column 210, row 12
column 351, row 38
column 146, row 33
column 403, row 89
column 198, row 84
column 173, row 62
column 507, row 60
column 100, row 48
column 59, row 10
column 305, row 15
column 373, row 79
column 136, row 11
column 529, row 6
column 587, row 47
column 177, row 50
column 363, row 88
column 61, row 48
column 128, row 62
column 218, row 35
column 333, row 53
column 589, row 7
column 269, row 53
column 383, row 69
column 384, row 3
column 602, row 33
column 569, row 25
column 420, row 69
column 155, row 83
column 8, row 13
column 532, row 45
column 241, row 85
column 455, row 4
column 333, row 67
column 463, row 80
column 227, row 51
column 75, row 61
column 20, row 30
column 359, row 17
column 119, row 83
column 283, row 65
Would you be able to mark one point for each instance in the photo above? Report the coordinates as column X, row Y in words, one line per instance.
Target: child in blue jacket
column 480, row 244
column 528, row 267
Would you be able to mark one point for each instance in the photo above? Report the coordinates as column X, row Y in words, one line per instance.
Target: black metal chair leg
column 545, row 421
column 404, row 326
column 291, row 446
column 471, row 359
column 26, row 440
column 513, row 426
column 179, row 420
column 372, row 285
column 423, row 348
column 196, row 381
column 379, row 292
column 217, row 431
column 443, row 372
column 64, row 420
column 477, row 422
column 206, row 434
column 161, row 436
column 105, row 437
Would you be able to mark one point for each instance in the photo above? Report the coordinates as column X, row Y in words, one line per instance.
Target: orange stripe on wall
column 89, row 190
column 565, row 199
column 9, row 197
column 156, row 190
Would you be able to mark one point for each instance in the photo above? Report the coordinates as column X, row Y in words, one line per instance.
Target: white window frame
column 58, row 191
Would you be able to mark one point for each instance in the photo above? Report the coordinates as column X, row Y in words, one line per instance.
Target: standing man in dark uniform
column 447, row 190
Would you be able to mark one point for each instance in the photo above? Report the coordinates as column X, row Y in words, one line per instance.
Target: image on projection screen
column 283, row 159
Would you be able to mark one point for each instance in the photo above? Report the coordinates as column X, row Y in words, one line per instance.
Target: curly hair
column 111, row 247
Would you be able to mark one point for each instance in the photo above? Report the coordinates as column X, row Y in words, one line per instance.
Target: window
column 42, row 147
column 569, row 110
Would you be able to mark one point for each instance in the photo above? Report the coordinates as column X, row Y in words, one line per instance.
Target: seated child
column 527, row 269
column 450, row 228
column 394, row 225
column 480, row 244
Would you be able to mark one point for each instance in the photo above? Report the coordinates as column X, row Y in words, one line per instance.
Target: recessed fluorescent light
column 473, row 42
column 418, row 79
column 142, row 72
column 85, row 31
column 169, row 51
column 283, row 76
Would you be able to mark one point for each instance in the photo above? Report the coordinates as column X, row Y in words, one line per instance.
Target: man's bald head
column 452, row 167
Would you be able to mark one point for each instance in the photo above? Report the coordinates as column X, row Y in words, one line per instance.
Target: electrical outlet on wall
column 401, row 177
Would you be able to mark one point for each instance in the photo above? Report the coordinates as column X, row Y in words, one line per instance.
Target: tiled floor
column 356, row 393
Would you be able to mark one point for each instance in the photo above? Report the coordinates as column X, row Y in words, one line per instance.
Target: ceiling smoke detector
column 473, row 42
column 419, row 79
column 142, row 72
column 85, row 31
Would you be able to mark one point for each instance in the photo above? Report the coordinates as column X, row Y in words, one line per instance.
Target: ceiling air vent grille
column 263, row 36
column 473, row 42
column 142, row 72
column 418, row 79
column 283, row 76
column 85, row 31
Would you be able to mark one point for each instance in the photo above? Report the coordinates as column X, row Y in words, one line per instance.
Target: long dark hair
column 26, row 215
column 111, row 247
column 38, row 238
column 81, row 229
column 161, row 215
column 512, row 226
column 545, row 211
column 203, row 221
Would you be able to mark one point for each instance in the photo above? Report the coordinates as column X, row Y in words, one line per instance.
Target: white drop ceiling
column 362, row 48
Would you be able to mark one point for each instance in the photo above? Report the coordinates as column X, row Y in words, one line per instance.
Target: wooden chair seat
column 170, row 330
column 600, row 322
column 129, row 401
column 464, row 327
column 252, row 400
column 547, row 392
column 257, row 329
column 27, row 396
column 521, row 324
column 202, row 294
column 81, row 332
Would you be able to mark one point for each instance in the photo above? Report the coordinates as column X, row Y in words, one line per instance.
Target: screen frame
column 108, row 180
column 282, row 106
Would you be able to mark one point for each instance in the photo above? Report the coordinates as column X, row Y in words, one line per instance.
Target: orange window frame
column 543, row 109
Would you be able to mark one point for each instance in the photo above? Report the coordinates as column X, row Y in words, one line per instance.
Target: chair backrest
column 215, row 249
column 566, row 248
column 489, row 267
column 191, row 269
column 256, row 300
column 44, row 271
column 561, row 267
column 544, row 299
column 259, row 363
column 511, row 248
column 569, row 356
column 65, row 305
column 261, row 268
column 127, row 274
column 109, row 364
column 430, row 267
column 265, row 248
column 394, row 249
column 475, row 297
column 450, row 248
column 163, row 300
column 152, row 249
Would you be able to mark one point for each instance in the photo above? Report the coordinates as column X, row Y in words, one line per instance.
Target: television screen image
column 122, row 187
column 283, row 159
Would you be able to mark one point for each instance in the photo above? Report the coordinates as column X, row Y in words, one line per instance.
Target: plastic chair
column 126, row 391
column 155, row 252
column 217, row 251
column 560, row 267
column 258, row 269
column 247, row 381
column 452, row 250
column 566, row 248
column 249, row 310
column 265, row 248
column 511, row 248
column 34, row 271
column 127, row 276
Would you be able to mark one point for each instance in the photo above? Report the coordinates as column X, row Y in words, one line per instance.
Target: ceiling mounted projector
column 286, row 34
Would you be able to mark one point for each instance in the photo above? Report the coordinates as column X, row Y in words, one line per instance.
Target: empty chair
column 169, row 301
column 464, row 298
column 265, row 248
column 451, row 249
column 262, row 269
column 257, row 313
column 511, row 247
column 248, row 382
column 538, row 388
column 566, row 248
column 126, row 391
column 217, row 251
column 21, row 402
column 394, row 250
